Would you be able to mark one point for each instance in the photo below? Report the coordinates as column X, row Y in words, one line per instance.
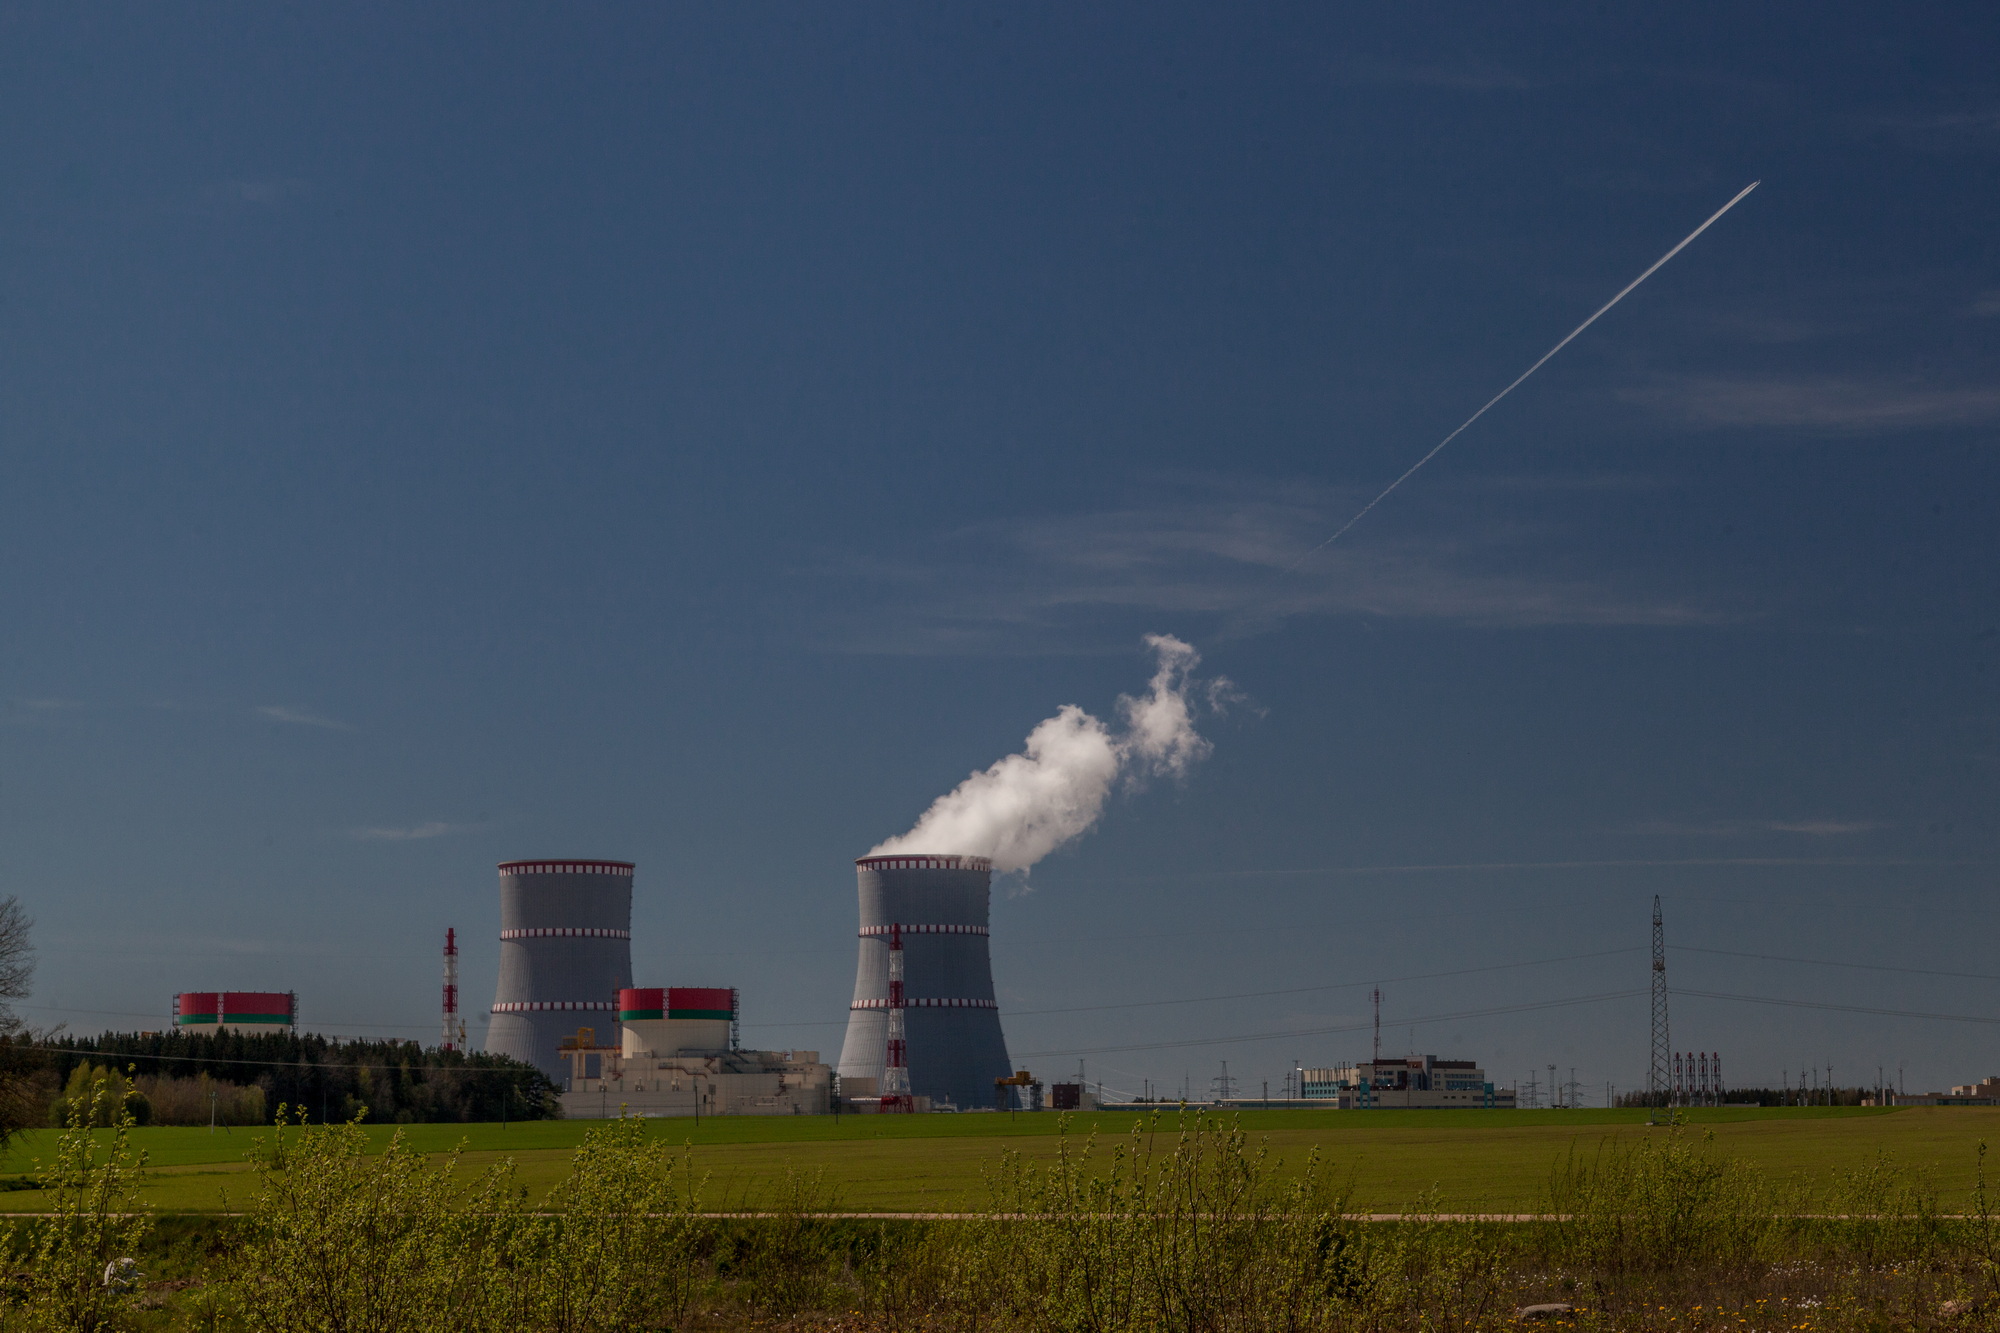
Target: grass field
column 1479, row 1161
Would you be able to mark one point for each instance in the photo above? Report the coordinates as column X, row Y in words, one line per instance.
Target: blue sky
column 704, row 437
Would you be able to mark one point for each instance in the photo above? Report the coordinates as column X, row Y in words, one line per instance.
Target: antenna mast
column 1659, row 1075
column 454, row 1026
column 1378, row 1025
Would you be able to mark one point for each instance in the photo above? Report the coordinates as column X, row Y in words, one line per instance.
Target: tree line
column 325, row 1080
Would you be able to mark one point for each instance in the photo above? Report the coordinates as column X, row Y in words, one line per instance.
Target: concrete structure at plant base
column 1417, row 1083
column 236, row 1011
column 954, row 1047
column 676, row 1055
column 565, row 952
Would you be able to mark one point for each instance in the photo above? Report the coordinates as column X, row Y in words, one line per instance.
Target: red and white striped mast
column 896, row 1060
column 454, row 1027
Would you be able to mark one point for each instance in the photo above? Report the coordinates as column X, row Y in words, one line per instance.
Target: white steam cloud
column 1028, row 804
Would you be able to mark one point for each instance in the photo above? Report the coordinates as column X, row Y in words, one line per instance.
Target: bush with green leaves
column 91, row 1217
column 1200, row 1236
column 344, row 1241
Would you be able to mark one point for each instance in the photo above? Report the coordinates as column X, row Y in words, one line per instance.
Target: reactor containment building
column 565, row 953
column 937, row 907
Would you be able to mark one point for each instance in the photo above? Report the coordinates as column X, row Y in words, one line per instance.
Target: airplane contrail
column 1524, row 375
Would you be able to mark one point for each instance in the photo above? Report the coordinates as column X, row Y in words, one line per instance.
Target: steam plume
column 1028, row 804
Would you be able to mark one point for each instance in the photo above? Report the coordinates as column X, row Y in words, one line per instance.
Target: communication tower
column 454, row 1026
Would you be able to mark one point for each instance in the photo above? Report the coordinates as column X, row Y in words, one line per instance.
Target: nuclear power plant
column 923, row 1028
column 933, row 912
column 565, row 953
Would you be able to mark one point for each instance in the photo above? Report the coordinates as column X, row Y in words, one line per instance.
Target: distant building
column 1986, row 1092
column 675, row 1056
column 1416, row 1082
column 236, row 1010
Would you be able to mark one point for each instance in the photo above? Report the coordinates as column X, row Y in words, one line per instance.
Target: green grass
column 1485, row 1161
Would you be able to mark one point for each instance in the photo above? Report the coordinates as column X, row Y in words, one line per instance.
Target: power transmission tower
column 1658, row 1076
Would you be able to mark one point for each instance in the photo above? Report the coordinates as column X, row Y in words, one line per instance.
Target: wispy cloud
column 300, row 717
column 1974, row 129
column 414, row 833
column 1220, row 555
column 1821, row 402
column 1748, row 828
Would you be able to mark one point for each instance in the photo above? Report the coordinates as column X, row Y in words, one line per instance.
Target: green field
column 1479, row 1161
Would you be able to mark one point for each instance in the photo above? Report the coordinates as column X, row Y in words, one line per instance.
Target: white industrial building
column 675, row 1056
column 1416, row 1082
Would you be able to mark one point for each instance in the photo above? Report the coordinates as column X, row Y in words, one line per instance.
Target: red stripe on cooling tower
column 566, row 867
column 550, row 1006
column 927, row 1004
column 642, row 997
column 924, row 862
column 566, row 933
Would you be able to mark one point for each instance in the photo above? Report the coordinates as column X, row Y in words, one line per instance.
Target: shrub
column 612, row 1247
column 91, row 1216
column 340, row 1241
column 1198, row 1238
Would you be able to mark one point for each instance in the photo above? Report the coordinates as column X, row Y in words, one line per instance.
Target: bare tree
column 17, row 961
column 22, row 1097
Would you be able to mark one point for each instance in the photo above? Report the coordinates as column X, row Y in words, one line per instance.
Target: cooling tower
column 952, row 1022
column 565, row 952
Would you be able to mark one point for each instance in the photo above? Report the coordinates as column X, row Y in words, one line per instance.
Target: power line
column 1342, row 1028
column 1261, row 994
column 1842, row 1008
column 1827, row 962
column 131, row 1013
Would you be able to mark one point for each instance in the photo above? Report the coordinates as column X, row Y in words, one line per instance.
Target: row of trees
column 321, row 1079
column 325, row 1080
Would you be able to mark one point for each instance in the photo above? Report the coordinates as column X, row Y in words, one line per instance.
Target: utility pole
column 1555, row 1090
column 1662, row 1052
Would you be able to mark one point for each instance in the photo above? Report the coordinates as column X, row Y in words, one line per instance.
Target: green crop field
column 1478, row 1161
